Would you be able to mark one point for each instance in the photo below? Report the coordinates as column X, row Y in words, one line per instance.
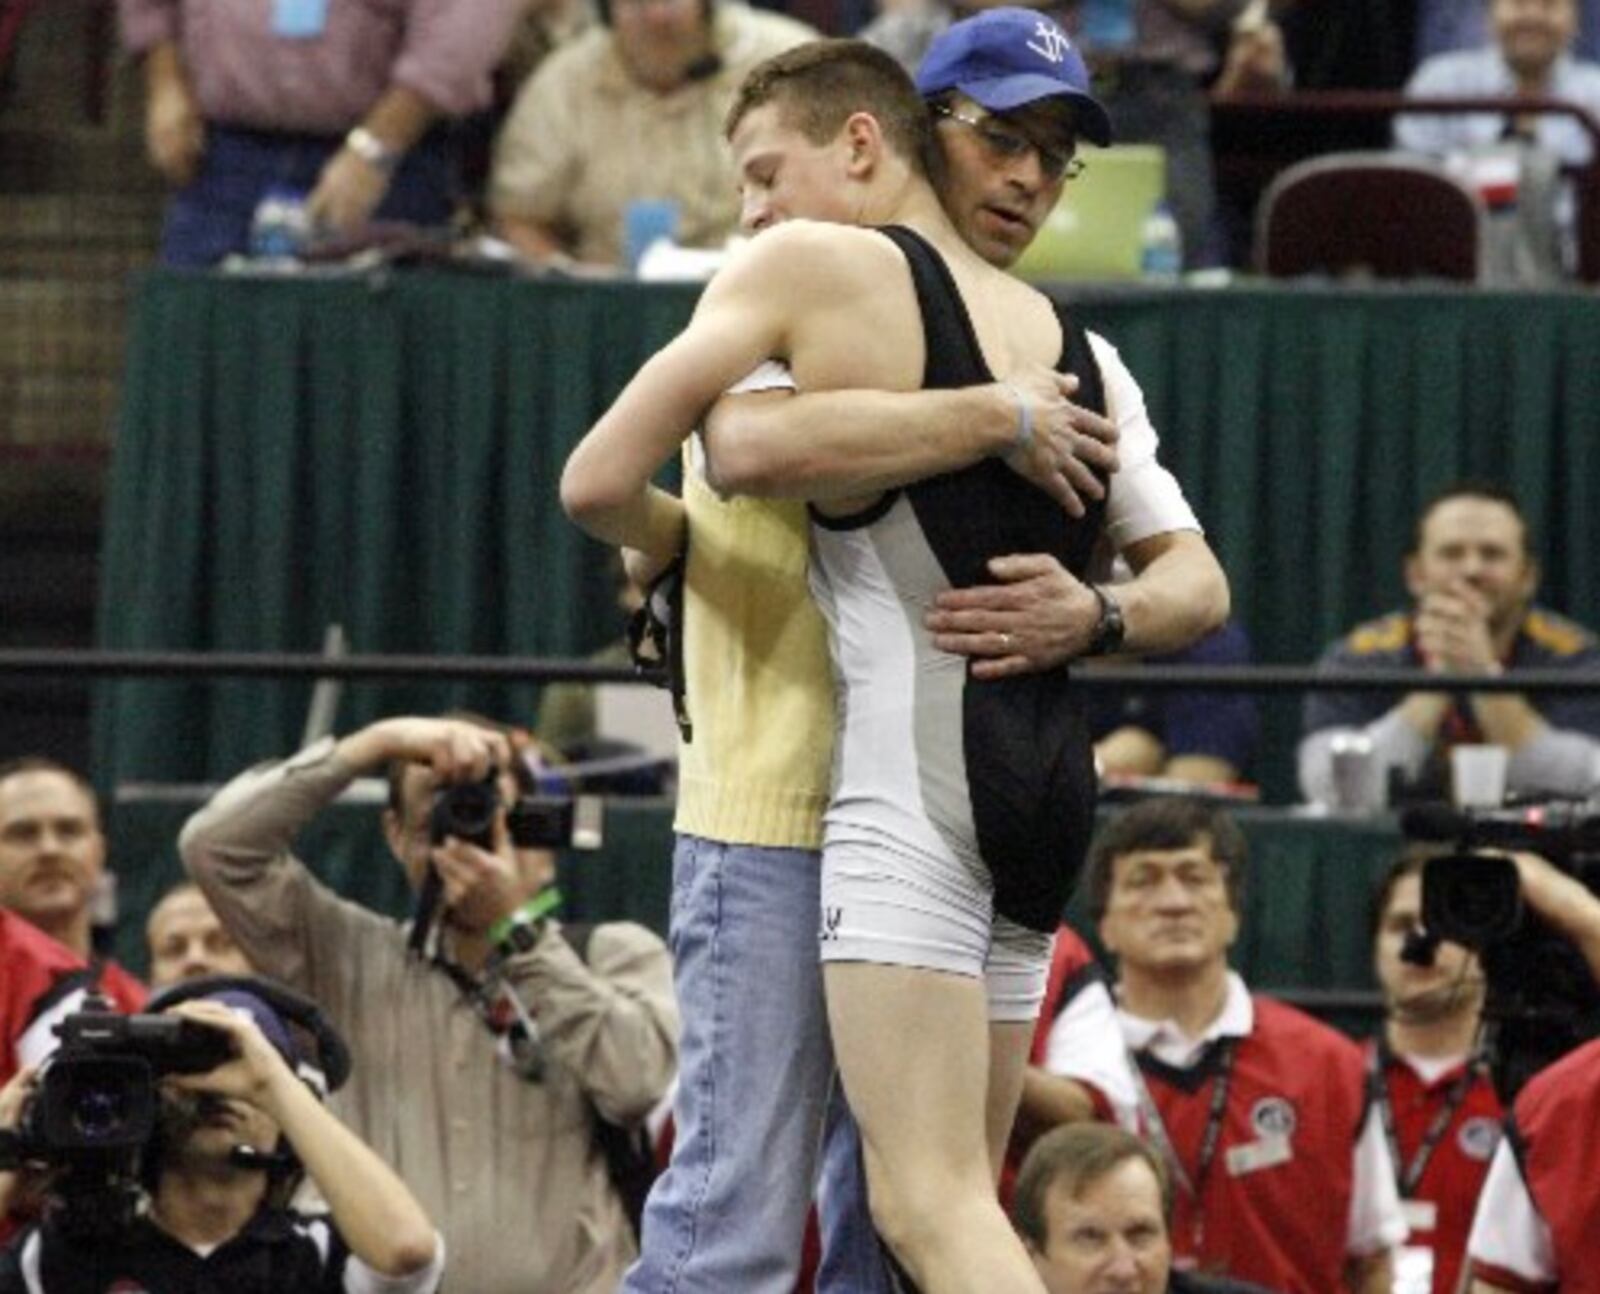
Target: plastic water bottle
column 279, row 227
column 1161, row 246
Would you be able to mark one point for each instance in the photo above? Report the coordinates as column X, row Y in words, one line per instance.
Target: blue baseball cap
column 1008, row 58
column 271, row 1024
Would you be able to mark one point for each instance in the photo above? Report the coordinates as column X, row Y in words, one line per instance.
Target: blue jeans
column 209, row 218
column 755, row 1069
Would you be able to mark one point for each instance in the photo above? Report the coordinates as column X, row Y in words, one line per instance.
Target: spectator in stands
column 1472, row 576
column 217, row 1214
column 543, row 27
column 488, row 1055
column 187, row 941
column 1286, row 1181
column 1094, row 1207
column 1447, row 25
column 1529, row 57
column 53, row 863
column 1437, row 1106
column 1539, row 1213
column 1202, row 737
column 630, row 111
column 334, row 100
column 1152, row 61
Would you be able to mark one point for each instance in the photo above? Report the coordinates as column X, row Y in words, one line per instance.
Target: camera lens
column 466, row 812
column 1471, row 899
column 98, row 1114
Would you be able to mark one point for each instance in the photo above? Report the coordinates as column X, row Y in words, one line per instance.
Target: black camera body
column 467, row 811
column 97, row 1095
column 1540, row 998
column 94, row 1116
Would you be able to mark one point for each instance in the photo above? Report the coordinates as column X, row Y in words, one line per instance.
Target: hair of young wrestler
column 820, row 85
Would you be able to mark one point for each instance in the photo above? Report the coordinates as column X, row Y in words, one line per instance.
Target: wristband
column 530, row 913
column 1024, row 441
column 372, row 150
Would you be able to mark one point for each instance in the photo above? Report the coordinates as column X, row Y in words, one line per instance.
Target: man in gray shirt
column 486, row 1059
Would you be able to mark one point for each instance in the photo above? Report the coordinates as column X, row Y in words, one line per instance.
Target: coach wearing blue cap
column 1154, row 65
column 1010, row 98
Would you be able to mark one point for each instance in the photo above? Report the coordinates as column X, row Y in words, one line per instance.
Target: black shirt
column 276, row 1252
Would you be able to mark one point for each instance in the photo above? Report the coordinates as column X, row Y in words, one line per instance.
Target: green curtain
column 382, row 453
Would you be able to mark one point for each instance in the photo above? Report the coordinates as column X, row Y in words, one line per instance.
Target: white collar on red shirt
column 1168, row 1043
column 1430, row 1069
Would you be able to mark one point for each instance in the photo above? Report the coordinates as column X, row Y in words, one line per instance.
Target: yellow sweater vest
column 758, row 681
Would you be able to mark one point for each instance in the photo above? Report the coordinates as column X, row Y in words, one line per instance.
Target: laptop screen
column 1097, row 228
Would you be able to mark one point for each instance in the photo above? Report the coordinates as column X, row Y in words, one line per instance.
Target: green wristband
column 537, row 908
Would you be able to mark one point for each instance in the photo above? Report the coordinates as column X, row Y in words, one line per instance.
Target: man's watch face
column 523, row 935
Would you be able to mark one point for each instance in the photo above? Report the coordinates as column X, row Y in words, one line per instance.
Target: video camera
column 96, row 1108
column 1540, row 997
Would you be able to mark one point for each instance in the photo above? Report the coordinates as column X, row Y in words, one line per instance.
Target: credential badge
column 1273, row 1116
column 1478, row 1138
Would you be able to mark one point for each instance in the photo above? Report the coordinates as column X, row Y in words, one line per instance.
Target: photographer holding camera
column 223, row 1150
column 1488, row 962
column 492, row 1056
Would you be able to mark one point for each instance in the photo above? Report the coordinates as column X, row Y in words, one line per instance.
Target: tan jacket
column 584, row 139
column 506, row 1168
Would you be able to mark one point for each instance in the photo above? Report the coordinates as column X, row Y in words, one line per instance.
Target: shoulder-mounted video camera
column 97, row 1110
column 1540, row 998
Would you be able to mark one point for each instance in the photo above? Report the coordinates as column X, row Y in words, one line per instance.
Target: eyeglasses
column 1010, row 144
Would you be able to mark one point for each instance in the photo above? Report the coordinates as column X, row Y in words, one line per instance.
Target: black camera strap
column 1408, row 1176
column 655, row 639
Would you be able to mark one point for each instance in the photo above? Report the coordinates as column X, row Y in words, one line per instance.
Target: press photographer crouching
column 173, row 1142
column 498, row 1055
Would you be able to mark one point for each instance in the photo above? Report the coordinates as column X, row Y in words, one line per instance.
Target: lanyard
column 1156, row 1130
column 1407, row 1176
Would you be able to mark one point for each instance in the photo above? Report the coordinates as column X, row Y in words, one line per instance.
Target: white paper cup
column 1478, row 776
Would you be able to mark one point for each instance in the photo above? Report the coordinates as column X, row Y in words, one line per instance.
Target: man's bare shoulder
column 815, row 255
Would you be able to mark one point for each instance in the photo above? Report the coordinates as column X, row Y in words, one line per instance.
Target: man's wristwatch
column 1109, row 630
column 372, row 150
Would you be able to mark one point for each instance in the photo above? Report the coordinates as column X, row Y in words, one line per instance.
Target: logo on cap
column 1055, row 46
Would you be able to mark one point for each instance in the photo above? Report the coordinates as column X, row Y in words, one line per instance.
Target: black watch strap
column 1109, row 630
